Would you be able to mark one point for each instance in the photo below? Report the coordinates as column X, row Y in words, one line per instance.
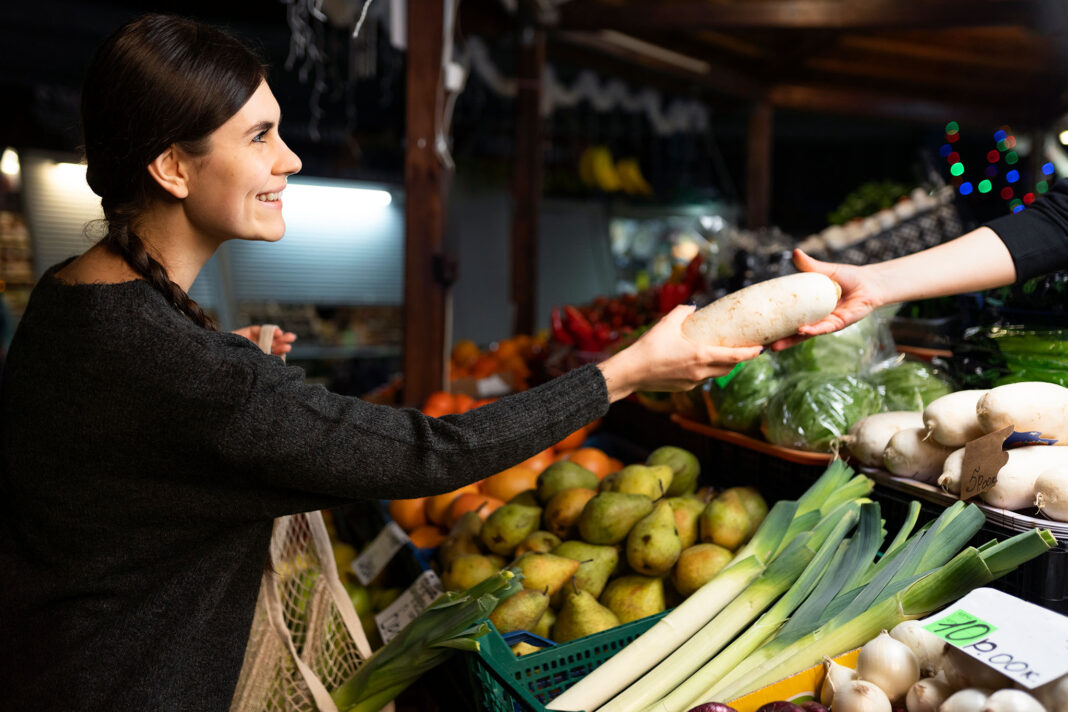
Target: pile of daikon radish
column 929, row 445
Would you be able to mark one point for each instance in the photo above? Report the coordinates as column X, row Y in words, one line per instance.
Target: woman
column 145, row 455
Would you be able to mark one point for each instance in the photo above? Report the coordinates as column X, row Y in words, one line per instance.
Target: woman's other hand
column 665, row 360
column 281, row 344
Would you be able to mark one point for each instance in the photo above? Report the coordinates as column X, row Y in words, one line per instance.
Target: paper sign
column 379, row 552
column 423, row 591
column 1026, row 642
column 983, row 457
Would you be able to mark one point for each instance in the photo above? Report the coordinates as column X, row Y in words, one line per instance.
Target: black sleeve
column 1037, row 238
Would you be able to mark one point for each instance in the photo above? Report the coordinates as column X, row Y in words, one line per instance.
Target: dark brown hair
column 158, row 80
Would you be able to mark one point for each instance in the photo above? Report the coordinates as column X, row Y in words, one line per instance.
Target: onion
column 835, row 677
column 779, row 706
column 1010, row 700
column 812, row 706
column 1053, row 695
column 962, row 670
column 970, row 699
column 712, row 707
column 890, row 664
column 1051, row 493
column 925, row 645
column 928, row 694
column 861, row 696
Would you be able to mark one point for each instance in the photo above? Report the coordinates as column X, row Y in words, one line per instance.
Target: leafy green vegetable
column 812, row 410
column 847, row 351
column 739, row 404
column 909, row 385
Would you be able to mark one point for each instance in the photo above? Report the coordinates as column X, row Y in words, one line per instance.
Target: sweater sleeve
column 296, row 438
column 1037, row 238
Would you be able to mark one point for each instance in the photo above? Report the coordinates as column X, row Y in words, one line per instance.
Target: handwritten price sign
column 379, row 552
column 423, row 591
column 1019, row 639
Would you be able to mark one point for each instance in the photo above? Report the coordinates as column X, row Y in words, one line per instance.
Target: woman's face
column 235, row 190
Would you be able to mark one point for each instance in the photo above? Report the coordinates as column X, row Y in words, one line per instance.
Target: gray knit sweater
column 143, row 460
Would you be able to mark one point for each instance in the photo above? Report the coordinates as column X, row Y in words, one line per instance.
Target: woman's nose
column 288, row 162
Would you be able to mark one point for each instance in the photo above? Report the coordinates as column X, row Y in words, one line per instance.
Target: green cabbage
column 909, row 385
column 847, row 351
column 813, row 410
column 739, row 404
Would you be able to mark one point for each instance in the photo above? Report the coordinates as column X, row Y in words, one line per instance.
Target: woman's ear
column 170, row 170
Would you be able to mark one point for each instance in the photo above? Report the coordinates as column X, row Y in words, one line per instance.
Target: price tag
column 983, row 457
column 1026, row 642
column 423, row 591
column 379, row 552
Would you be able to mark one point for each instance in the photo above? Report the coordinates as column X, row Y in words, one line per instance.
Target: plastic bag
column 739, row 403
column 909, row 385
column 855, row 349
column 813, row 410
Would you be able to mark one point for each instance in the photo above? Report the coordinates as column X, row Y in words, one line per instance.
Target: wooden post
column 527, row 179
column 758, row 177
column 425, row 291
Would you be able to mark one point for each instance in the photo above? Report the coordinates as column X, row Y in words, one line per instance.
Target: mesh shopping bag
column 306, row 638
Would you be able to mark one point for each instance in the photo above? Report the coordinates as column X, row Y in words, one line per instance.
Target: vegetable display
column 848, row 351
column 909, row 385
column 739, row 403
column 813, row 410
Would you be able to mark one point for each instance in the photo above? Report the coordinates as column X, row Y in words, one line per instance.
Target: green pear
column 596, row 564
column 540, row 541
column 754, row 504
column 528, row 498
column 684, row 466
column 381, row 598
column 508, row 525
column 563, row 509
column 687, row 511
column 653, row 544
column 524, row 648
column 361, row 599
column 562, row 475
column 545, row 572
column 582, row 615
column 466, row 570
column 520, row 611
column 462, row 538
column 608, row 482
column 544, row 626
column 634, row 596
column 697, row 565
column 725, row 521
column 653, row 482
column 608, row 517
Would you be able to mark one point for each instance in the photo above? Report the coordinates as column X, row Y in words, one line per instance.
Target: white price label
column 423, row 591
column 1026, row 642
column 379, row 552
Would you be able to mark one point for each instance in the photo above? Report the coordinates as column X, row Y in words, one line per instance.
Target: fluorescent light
column 332, row 197
column 1064, row 137
column 9, row 162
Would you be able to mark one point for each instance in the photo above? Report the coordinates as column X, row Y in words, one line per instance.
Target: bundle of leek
column 452, row 622
column 791, row 542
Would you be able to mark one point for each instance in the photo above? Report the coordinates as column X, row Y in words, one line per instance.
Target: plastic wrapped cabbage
column 909, row 385
column 850, row 350
column 738, row 404
column 813, row 410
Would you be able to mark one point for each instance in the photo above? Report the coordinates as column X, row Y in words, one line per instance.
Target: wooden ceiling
column 1002, row 61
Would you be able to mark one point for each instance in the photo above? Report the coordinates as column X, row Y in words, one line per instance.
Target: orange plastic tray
column 801, row 457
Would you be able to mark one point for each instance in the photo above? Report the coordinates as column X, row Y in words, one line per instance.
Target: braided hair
column 159, row 80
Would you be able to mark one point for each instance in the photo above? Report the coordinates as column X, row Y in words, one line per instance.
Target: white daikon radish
column 1028, row 406
column 909, row 455
column 1053, row 695
column 951, row 420
column 868, row 437
column 1051, row 498
column 1015, row 488
column 764, row 312
column 949, row 480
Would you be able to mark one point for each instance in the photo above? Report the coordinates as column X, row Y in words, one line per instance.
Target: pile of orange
column 512, row 356
column 427, row 520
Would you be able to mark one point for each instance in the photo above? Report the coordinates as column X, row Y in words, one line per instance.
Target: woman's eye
column 258, row 138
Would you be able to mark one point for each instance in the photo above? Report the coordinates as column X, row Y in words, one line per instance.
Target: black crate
column 1043, row 581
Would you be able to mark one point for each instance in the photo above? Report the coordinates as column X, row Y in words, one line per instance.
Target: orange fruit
column 462, row 402
column 593, row 459
column 540, row 461
column 471, row 502
column 617, row 465
column 465, row 353
column 437, row 507
column 482, row 401
column 508, row 483
column 572, row 441
column 485, row 366
column 408, row 513
column 564, row 454
column 427, row 536
column 439, row 402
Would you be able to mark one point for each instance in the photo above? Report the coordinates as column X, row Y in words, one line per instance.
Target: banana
column 604, row 170
column 585, row 167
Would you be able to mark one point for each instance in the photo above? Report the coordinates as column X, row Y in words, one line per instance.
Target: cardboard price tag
column 983, row 457
column 423, row 591
column 379, row 552
column 1026, row 642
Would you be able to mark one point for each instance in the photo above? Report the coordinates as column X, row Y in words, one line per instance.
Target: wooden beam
column 758, row 161
column 795, row 14
column 527, row 179
column 425, row 295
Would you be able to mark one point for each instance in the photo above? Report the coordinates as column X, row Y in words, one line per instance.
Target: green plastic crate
column 506, row 683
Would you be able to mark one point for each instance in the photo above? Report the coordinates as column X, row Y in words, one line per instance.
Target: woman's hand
column 665, row 360
column 859, row 298
column 281, row 344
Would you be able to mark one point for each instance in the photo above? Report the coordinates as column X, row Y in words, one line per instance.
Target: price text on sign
column 983, row 458
column 1021, row 640
column 379, row 552
column 423, row 591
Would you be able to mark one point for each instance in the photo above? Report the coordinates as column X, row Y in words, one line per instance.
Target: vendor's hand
column 665, row 360
column 859, row 298
column 281, row 344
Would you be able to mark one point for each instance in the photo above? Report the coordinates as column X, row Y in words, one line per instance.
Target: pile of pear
column 595, row 554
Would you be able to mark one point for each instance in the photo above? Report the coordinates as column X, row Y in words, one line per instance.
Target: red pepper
column 603, row 334
column 577, row 324
column 692, row 277
column 560, row 333
column 672, row 295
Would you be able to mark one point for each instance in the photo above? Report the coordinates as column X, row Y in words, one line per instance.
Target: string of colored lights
column 1004, row 152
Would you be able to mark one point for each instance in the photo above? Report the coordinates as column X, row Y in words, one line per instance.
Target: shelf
column 315, row 351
